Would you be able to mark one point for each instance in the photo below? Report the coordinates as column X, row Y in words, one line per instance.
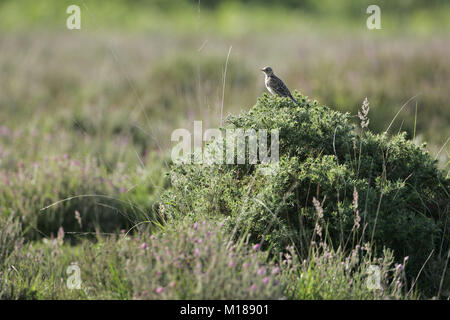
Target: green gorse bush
column 372, row 187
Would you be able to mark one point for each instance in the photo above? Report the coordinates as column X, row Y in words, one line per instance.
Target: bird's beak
column 262, row 70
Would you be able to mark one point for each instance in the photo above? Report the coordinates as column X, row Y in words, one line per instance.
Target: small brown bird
column 275, row 85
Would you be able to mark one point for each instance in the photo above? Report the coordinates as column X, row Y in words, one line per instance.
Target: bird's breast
column 269, row 85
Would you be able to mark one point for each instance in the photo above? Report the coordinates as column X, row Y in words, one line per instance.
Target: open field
column 86, row 174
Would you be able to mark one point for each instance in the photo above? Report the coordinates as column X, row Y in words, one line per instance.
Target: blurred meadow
column 86, row 118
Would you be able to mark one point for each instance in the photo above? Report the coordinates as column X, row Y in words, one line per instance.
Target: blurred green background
column 86, row 115
column 137, row 70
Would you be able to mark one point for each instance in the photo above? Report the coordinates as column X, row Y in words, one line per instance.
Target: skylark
column 275, row 85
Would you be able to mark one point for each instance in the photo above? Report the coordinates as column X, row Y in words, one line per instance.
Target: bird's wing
column 280, row 88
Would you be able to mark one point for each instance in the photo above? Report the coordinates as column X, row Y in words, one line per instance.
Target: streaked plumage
column 275, row 85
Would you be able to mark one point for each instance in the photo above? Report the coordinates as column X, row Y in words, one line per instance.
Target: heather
column 356, row 208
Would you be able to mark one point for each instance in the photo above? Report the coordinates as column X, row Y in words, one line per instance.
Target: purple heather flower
column 123, row 189
column 231, row 264
column 266, row 280
column 143, row 245
column 196, row 252
column 253, row 287
column 76, row 163
column 261, row 271
column 195, row 226
column 276, row 270
column 256, row 246
column 159, row 290
column 245, row 265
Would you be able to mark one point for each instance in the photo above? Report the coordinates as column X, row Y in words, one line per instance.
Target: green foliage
column 337, row 275
column 349, row 6
column 198, row 79
column 39, row 271
column 111, row 113
column 401, row 197
column 10, row 235
column 344, row 82
column 191, row 260
column 79, row 196
column 226, row 17
column 198, row 260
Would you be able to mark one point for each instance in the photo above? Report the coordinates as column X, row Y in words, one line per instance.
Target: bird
column 275, row 85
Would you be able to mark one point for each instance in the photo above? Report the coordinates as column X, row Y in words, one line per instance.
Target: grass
column 190, row 261
column 85, row 127
column 230, row 18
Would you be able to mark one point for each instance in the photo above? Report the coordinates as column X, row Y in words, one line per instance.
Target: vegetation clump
column 358, row 186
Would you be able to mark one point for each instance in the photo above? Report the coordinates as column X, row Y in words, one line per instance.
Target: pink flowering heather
column 261, row 271
column 266, row 280
column 256, row 246
column 144, row 246
column 159, row 290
